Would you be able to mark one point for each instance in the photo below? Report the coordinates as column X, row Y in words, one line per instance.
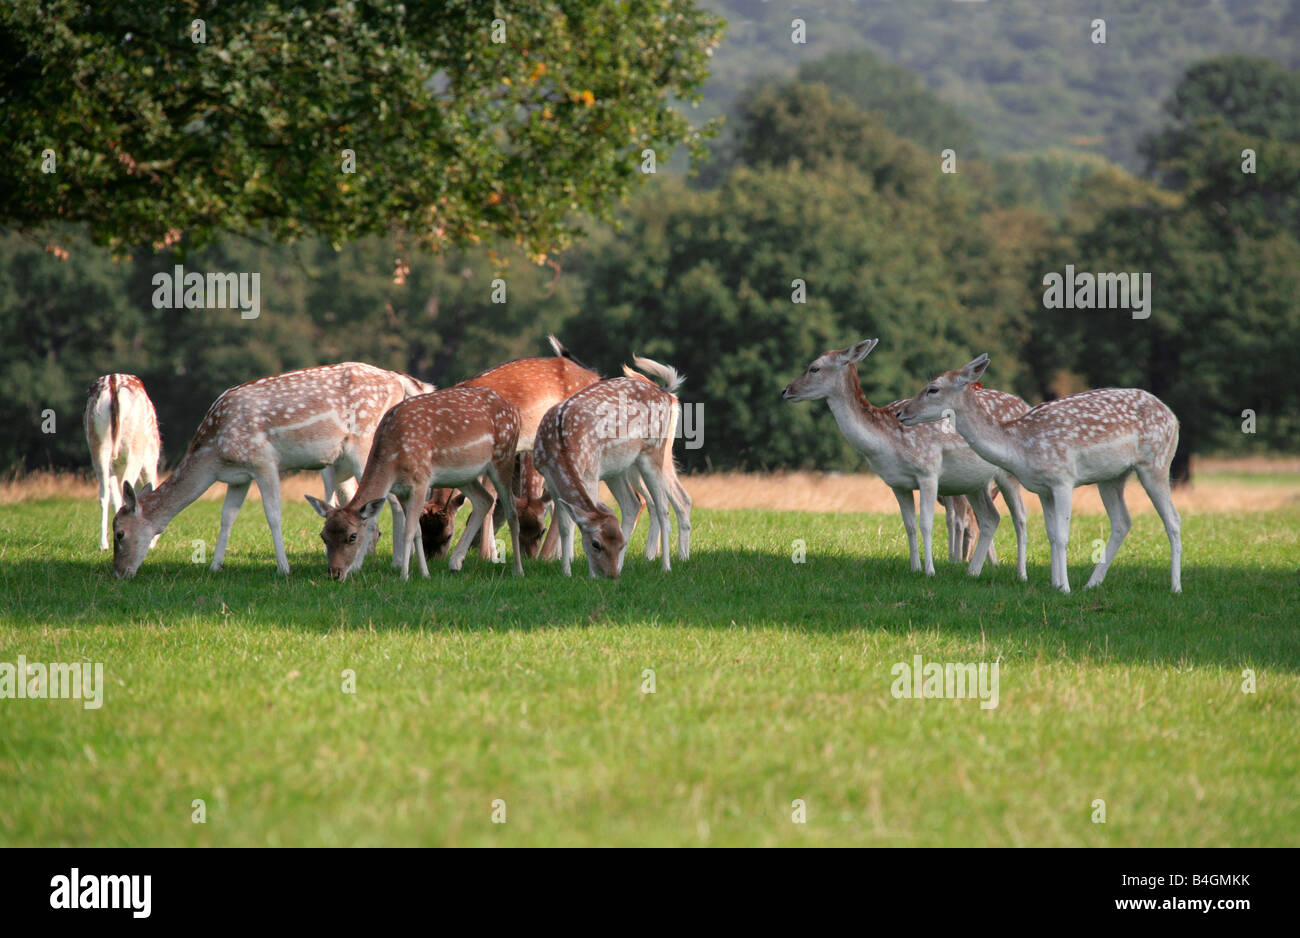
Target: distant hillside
column 1025, row 73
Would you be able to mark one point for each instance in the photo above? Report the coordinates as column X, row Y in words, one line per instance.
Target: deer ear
column 456, row 500
column 321, row 508
column 855, row 353
column 128, row 498
column 971, row 373
column 145, row 489
column 372, row 508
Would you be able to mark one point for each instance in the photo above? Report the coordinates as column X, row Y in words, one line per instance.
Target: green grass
column 773, row 684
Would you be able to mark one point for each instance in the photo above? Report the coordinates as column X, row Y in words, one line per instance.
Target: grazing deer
column 933, row 460
column 611, row 432
column 438, row 522
column 1095, row 437
column 122, row 432
column 446, row 438
column 315, row 418
column 963, row 530
column 534, row 386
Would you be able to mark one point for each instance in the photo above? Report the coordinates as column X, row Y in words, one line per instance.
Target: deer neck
column 195, row 475
column 866, row 426
column 985, row 434
column 377, row 481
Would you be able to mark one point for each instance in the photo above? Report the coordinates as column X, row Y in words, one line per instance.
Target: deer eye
column 931, row 390
column 813, row 369
column 597, row 546
column 352, row 537
column 121, row 534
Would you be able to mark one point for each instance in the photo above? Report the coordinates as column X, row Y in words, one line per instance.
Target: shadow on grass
column 1230, row 616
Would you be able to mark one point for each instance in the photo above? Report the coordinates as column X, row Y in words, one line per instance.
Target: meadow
column 771, row 684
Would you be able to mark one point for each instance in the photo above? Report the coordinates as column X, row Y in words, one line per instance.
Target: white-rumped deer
column 618, row 431
column 1097, row 437
column 315, row 418
column 122, row 433
column 448, row 439
column 534, row 386
column 933, row 460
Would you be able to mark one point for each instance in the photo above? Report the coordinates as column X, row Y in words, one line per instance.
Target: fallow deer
column 122, row 432
column 448, row 439
column 534, row 386
column 609, row 432
column 438, row 521
column 315, row 418
column 1097, row 437
column 933, row 460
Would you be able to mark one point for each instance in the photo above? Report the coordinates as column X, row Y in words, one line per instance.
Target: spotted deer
column 316, row 418
column 122, row 433
column 613, row 431
column 534, row 386
column 447, row 439
column 933, row 460
column 1097, row 437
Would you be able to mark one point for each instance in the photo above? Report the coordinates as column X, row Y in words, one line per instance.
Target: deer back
column 534, row 386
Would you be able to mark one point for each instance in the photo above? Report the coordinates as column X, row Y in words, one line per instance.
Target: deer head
column 602, row 539
column 941, row 397
column 133, row 532
column 827, row 372
column 346, row 534
column 438, row 521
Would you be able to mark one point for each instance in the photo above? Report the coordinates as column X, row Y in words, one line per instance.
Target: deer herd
column 545, row 432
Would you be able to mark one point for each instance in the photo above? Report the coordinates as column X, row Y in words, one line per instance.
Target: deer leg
column 501, row 482
column 565, row 520
column 105, row 500
column 411, row 541
column 268, row 483
column 681, row 502
column 907, row 505
column 481, row 508
column 928, row 497
column 1062, row 499
column 1156, row 481
column 488, row 541
column 1112, row 496
column 629, row 505
column 652, row 539
column 986, row 513
column 658, row 506
column 955, row 526
column 1010, row 490
column 1049, row 522
column 229, row 511
column 400, row 527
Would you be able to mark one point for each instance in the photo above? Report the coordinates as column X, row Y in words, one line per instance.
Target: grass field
column 772, row 683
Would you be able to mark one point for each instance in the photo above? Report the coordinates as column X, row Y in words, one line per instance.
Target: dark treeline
column 820, row 221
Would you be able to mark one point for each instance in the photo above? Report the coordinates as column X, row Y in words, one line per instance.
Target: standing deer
column 447, row 439
column 615, row 431
column 122, row 432
column 933, row 460
column 534, row 386
column 1095, row 437
column 315, row 418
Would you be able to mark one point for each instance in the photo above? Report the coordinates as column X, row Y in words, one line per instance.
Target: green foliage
column 458, row 138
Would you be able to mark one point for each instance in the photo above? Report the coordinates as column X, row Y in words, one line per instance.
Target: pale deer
column 447, row 439
column 122, row 432
column 1097, row 437
column 933, row 460
column 612, row 431
column 315, row 418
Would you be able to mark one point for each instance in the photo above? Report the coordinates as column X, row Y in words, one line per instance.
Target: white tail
column 446, row 439
column 618, row 431
column 933, row 460
column 316, row 418
column 122, row 433
column 1097, row 437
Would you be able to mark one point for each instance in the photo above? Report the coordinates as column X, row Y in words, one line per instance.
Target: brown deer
column 1097, row 437
column 612, row 431
column 932, row 459
column 315, row 418
column 448, row 439
column 122, row 432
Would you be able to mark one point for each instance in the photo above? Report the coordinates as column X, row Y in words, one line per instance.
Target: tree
column 465, row 120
